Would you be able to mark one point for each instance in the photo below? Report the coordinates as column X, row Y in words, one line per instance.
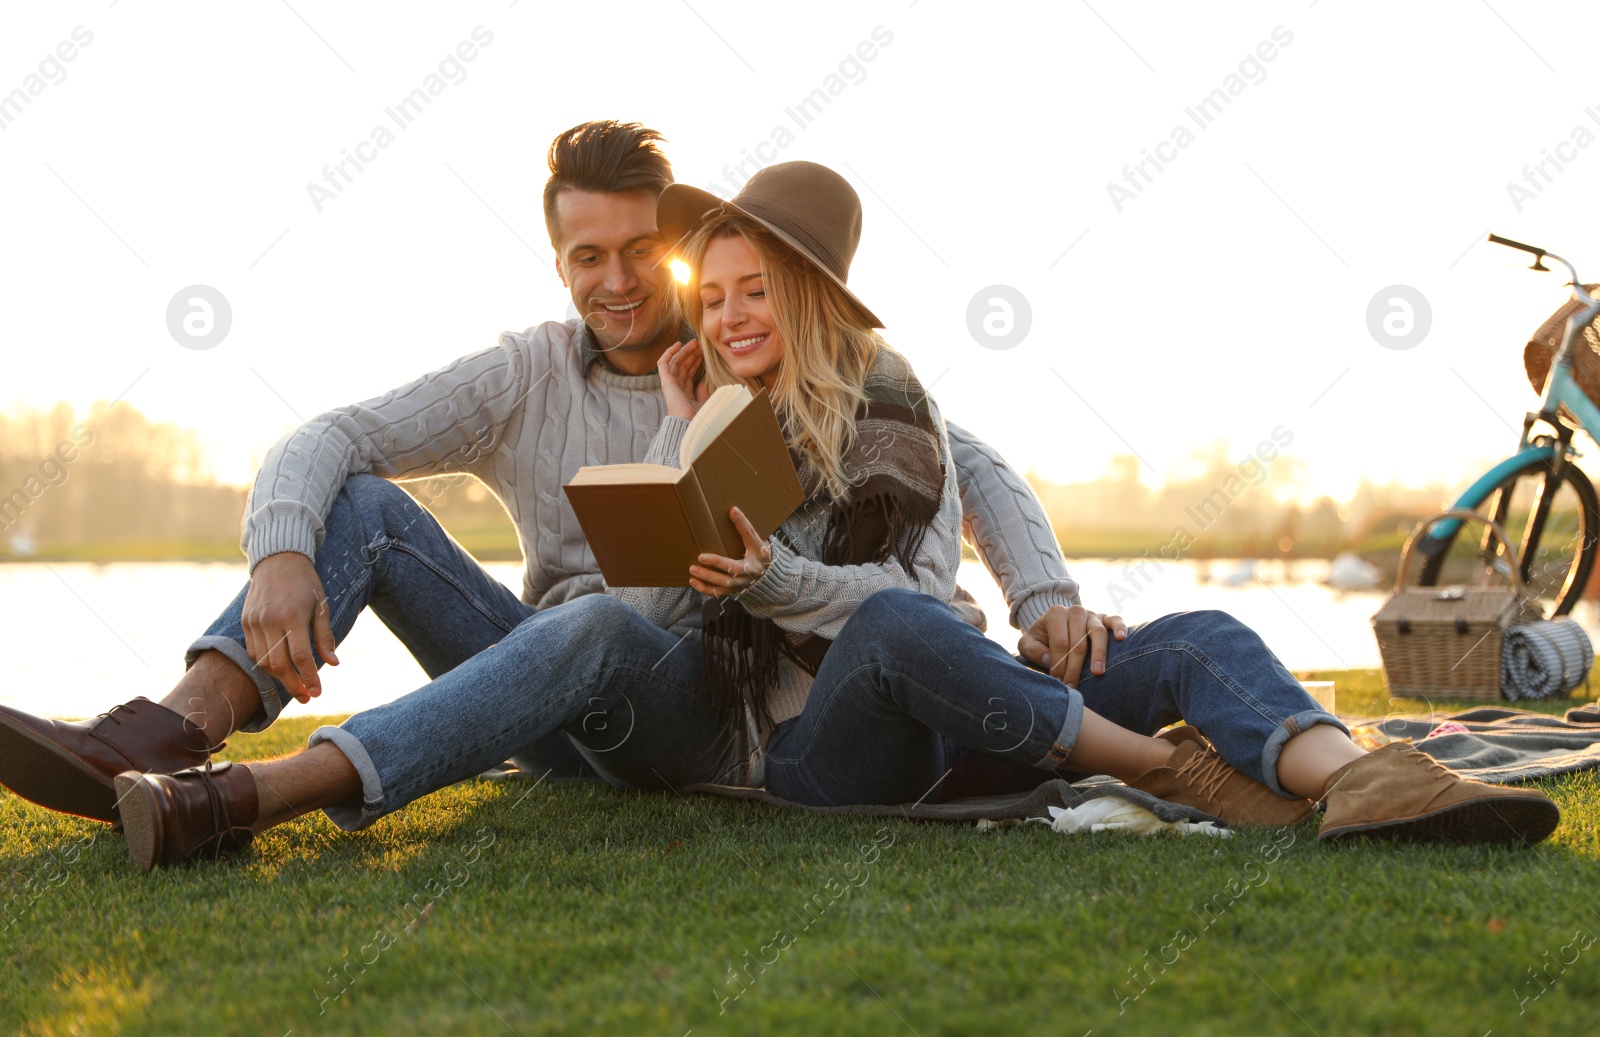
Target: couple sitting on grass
column 835, row 662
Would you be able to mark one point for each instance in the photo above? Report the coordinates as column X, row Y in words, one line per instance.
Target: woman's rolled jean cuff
column 273, row 694
column 1066, row 739
column 1302, row 721
column 353, row 819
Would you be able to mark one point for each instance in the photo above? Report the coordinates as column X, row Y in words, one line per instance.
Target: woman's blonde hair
column 828, row 345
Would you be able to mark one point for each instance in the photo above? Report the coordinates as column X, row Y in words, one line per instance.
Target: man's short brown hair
column 607, row 156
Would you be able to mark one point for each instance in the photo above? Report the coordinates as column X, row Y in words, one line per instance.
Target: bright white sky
column 1221, row 302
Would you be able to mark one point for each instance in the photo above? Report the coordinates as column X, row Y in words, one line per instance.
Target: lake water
column 77, row 638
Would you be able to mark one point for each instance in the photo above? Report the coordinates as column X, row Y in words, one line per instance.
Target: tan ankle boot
column 1399, row 792
column 1197, row 777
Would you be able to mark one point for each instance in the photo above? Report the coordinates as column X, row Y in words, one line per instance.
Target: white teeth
column 740, row 343
column 623, row 309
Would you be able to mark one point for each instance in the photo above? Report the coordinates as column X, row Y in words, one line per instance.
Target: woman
column 766, row 294
column 849, row 677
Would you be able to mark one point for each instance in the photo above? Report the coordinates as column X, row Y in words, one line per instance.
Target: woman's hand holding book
column 718, row 577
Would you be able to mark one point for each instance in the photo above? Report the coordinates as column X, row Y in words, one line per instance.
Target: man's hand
column 284, row 610
column 1062, row 638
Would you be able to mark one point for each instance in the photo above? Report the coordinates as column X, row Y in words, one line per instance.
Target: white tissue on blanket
column 1110, row 814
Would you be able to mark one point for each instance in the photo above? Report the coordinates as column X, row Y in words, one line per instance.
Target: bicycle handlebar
column 1539, row 256
column 1533, row 250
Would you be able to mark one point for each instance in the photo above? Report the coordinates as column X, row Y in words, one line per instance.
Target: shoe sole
column 39, row 771
column 140, row 827
column 1286, row 821
column 1510, row 819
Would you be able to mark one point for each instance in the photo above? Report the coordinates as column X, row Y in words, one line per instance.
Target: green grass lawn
column 524, row 908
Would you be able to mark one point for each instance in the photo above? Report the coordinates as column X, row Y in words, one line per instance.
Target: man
column 326, row 534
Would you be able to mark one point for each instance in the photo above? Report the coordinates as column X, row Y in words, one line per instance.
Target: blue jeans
column 905, row 674
column 384, row 551
column 906, row 670
column 624, row 691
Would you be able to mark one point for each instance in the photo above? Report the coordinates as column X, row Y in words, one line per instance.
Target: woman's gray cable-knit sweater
column 525, row 415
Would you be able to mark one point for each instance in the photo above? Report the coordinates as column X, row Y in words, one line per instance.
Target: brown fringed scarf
column 896, row 467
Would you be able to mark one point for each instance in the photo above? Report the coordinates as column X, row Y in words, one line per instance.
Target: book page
column 717, row 414
column 604, row 474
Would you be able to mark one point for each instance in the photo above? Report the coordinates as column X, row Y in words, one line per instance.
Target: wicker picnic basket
column 1444, row 642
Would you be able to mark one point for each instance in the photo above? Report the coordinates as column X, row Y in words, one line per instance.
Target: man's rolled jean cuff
column 1305, row 720
column 273, row 694
column 1067, row 738
column 353, row 819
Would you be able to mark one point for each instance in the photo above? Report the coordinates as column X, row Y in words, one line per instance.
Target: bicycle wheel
column 1554, row 519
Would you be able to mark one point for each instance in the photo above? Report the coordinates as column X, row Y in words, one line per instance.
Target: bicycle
column 1538, row 495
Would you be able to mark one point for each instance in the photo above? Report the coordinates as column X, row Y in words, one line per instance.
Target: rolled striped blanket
column 1544, row 660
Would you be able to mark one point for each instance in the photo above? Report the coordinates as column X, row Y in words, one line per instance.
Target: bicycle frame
column 1560, row 390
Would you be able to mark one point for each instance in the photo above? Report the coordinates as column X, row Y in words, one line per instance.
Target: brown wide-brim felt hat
column 809, row 207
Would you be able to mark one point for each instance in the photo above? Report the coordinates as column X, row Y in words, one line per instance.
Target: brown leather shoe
column 1400, row 792
column 1198, row 777
column 71, row 767
column 203, row 812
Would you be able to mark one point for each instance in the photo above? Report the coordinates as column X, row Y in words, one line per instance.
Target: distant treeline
column 1227, row 507
column 110, row 474
column 111, row 483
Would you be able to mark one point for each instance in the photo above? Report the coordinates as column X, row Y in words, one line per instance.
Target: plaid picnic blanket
column 1501, row 745
column 1053, row 792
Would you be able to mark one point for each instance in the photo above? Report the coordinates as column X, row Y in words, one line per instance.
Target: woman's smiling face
column 734, row 311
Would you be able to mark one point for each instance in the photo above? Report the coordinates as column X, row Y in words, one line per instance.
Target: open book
column 648, row 523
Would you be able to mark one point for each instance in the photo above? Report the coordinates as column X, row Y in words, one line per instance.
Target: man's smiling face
column 610, row 258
